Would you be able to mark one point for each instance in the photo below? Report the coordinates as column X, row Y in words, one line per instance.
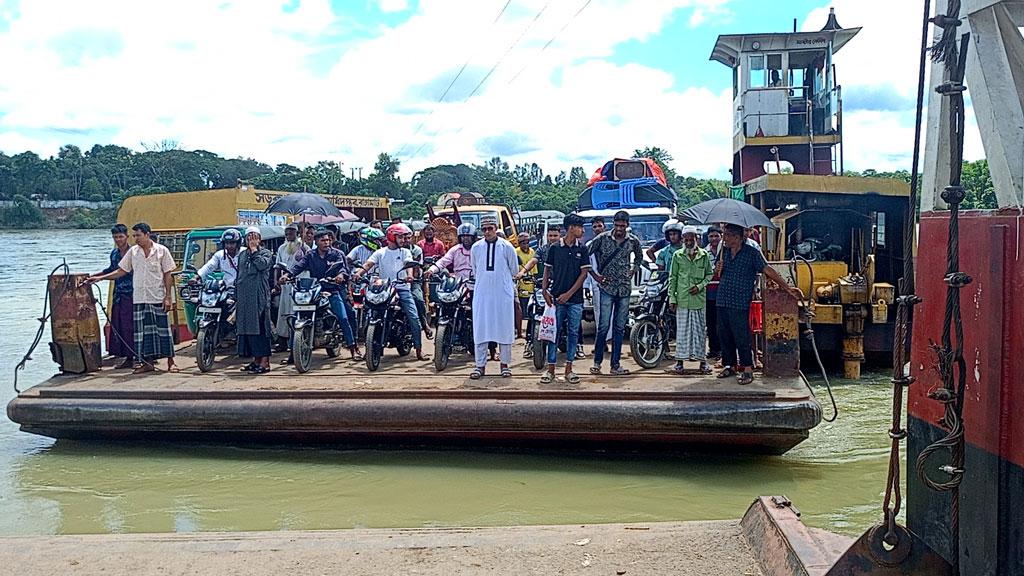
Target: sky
column 558, row 82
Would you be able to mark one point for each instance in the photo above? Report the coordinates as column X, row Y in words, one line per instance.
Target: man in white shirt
column 288, row 254
column 495, row 266
column 390, row 263
column 224, row 260
column 150, row 265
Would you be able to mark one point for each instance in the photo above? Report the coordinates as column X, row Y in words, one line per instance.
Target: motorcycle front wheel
column 373, row 348
column 206, row 344
column 540, row 349
column 442, row 346
column 303, row 349
column 404, row 343
column 646, row 344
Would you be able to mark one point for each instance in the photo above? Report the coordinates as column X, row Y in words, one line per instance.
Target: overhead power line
column 497, row 63
column 552, row 39
column 450, row 84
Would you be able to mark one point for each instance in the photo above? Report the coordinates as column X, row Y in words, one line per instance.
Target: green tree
column 977, row 182
column 23, row 214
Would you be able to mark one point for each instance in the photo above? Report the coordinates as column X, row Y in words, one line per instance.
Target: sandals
column 357, row 356
column 746, row 378
column 572, row 378
column 143, row 367
column 619, row 371
column 679, row 369
column 259, row 370
column 528, row 352
column 506, row 372
column 704, row 368
column 726, row 372
column 248, row 368
column 476, row 374
column 547, row 377
column 595, row 370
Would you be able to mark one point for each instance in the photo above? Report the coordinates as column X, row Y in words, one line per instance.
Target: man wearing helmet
column 673, row 230
column 390, row 262
column 317, row 262
column 689, row 275
column 370, row 240
column 458, row 259
column 224, row 260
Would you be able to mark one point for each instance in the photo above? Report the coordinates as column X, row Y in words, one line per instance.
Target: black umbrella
column 303, row 203
column 729, row 211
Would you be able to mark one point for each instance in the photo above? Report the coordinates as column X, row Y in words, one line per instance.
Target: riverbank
column 678, row 548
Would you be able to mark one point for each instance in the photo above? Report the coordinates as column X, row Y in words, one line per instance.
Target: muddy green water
column 836, row 477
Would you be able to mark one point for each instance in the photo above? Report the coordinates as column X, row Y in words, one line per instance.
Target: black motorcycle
column 534, row 311
column 312, row 321
column 387, row 326
column 215, row 304
column 453, row 297
column 653, row 325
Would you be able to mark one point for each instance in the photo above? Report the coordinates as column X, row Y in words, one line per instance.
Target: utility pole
column 360, row 169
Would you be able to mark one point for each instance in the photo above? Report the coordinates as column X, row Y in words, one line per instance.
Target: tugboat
column 833, row 232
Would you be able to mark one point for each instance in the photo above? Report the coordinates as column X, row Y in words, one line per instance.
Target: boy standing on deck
column 565, row 268
column 122, row 321
column 150, row 265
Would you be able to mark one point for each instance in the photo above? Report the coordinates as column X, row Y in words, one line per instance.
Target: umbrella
column 303, row 203
column 344, row 216
column 729, row 211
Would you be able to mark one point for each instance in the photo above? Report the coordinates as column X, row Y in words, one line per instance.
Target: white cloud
column 237, row 78
column 393, row 5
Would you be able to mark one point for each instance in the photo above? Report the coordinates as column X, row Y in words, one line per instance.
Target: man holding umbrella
column 740, row 263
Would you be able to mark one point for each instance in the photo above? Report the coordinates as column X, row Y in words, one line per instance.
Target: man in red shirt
column 432, row 247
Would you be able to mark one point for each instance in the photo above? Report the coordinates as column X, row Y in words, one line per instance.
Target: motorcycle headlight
column 538, row 297
column 377, row 297
column 448, row 297
column 210, row 298
column 302, row 298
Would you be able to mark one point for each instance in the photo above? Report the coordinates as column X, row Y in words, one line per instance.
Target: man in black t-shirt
column 565, row 268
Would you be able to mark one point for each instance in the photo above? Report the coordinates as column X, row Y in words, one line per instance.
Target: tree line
column 113, row 173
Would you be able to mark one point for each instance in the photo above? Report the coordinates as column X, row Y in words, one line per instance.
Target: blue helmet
column 465, row 229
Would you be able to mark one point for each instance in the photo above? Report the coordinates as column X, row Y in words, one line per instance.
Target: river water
column 836, row 477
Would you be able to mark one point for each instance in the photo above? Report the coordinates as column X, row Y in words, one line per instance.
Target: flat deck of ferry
column 407, row 401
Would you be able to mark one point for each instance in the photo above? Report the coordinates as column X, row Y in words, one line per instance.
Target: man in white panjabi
column 494, row 265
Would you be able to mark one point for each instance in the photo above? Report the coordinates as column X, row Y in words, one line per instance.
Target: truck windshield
column 646, row 228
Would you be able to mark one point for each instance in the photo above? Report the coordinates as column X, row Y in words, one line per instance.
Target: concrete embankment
column 681, row 549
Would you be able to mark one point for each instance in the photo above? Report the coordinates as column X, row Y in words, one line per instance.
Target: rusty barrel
column 74, row 326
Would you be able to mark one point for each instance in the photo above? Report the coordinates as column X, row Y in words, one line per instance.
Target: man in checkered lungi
column 689, row 275
column 151, row 265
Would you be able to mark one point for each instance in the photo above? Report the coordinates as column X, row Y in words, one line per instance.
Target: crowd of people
column 710, row 289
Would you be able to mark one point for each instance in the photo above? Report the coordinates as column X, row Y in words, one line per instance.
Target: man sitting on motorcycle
column 370, row 240
column 390, row 262
column 224, row 260
column 317, row 262
column 458, row 259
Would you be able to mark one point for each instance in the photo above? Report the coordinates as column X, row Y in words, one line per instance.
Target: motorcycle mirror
column 412, row 264
column 334, row 269
column 190, row 268
column 280, row 266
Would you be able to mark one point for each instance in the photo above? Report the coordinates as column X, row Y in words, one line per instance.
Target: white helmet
column 672, row 224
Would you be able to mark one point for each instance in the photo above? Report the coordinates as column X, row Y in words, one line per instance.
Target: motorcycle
column 654, row 325
column 359, row 306
column 215, row 304
column 312, row 321
column 386, row 326
column 534, row 311
column 454, row 300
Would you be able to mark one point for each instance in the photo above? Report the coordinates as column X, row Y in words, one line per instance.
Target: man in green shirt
column 688, row 279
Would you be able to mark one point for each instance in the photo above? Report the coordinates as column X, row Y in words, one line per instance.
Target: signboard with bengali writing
column 339, row 201
column 260, row 218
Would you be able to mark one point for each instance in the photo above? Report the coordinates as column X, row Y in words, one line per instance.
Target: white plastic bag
column 548, row 329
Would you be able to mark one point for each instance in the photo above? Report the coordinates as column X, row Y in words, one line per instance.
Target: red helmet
column 396, row 230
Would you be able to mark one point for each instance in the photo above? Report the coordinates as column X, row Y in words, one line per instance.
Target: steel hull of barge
column 406, row 403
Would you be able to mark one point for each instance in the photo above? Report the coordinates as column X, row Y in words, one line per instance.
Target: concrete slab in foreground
column 682, row 549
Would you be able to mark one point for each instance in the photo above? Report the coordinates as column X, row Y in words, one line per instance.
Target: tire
column 646, row 344
column 303, row 349
column 373, row 349
column 404, row 343
column 206, row 347
column 540, row 351
column 442, row 346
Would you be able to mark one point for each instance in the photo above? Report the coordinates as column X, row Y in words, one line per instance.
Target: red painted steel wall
column 992, row 253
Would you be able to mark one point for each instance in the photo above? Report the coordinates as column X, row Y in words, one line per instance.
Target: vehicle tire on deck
column 373, row 349
column 646, row 344
column 442, row 347
column 206, row 347
column 540, row 351
column 303, row 349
